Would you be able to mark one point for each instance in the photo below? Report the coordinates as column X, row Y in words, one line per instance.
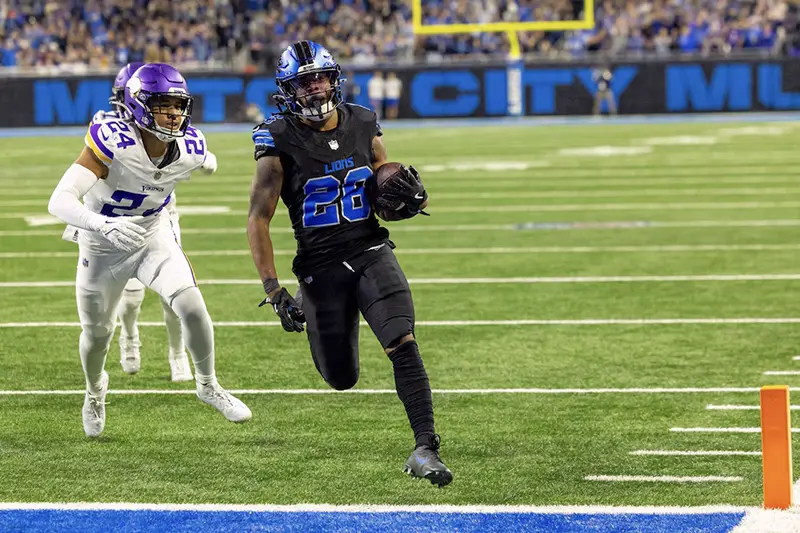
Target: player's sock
column 128, row 311
column 93, row 350
column 414, row 390
column 191, row 309
column 174, row 333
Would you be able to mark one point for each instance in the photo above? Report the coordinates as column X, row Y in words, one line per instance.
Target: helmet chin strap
column 163, row 136
column 160, row 135
column 322, row 110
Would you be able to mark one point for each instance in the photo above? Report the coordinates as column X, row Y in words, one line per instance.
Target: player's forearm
column 68, row 208
column 261, row 248
column 65, row 202
column 209, row 165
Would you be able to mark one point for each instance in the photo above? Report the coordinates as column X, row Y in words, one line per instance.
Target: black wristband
column 271, row 285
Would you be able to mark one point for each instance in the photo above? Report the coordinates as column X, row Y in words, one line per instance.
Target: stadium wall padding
column 452, row 91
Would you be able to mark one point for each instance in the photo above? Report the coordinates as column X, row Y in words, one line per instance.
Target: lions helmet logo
column 327, row 59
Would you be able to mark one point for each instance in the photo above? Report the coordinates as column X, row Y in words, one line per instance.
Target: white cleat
column 129, row 354
column 179, row 367
column 94, row 410
column 223, row 401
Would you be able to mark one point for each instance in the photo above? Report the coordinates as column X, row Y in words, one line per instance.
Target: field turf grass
column 506, row 203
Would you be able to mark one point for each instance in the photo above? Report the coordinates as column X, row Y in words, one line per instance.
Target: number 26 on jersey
column 327, row 201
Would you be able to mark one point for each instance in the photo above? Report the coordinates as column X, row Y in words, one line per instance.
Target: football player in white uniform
column 133, row 295
column 126, row 174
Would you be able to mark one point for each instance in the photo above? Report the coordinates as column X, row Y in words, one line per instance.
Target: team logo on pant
column 85, row 262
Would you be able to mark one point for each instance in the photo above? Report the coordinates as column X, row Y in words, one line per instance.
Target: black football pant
column 371, row 283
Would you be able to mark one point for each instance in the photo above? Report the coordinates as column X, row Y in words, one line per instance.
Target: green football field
column 566, row 277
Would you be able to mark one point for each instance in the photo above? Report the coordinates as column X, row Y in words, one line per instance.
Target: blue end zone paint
column 67, row 131
column 52, row 521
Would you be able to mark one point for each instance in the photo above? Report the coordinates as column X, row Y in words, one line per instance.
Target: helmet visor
column 314, row 88
column 171, row 112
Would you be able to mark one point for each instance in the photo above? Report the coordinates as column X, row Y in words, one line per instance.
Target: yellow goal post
column 511, row 29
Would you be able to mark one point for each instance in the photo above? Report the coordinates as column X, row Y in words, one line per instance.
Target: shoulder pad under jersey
column 267, row 134
column 194, row 146
column 102, row 114
column 109, row 137
column 362, row 114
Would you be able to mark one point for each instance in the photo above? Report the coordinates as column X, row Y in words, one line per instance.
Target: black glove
column 402, row 196
column 290, row 313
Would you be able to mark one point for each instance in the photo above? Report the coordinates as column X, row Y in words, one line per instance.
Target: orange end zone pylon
column 776, row 446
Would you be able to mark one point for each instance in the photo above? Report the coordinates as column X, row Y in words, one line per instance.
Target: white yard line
column 457, row 323
column 485, row 281
column 627, row 179
column 666, row 479
column 604, row 151
column 522, row 226
column 752, row 172
column 782, row 373
column 571, row 193
column 759, row 131
column 667, row 248
column 241, row 230
column 768, row 223
column 732, row 407
column 507, row 391
column 679, row 140
column 539, row 208
column 722, row 430
column 329, row 508
column 218, row 211
column 696, row 453
column 566, row 279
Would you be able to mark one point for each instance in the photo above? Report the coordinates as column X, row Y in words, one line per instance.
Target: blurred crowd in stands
column 79, row 35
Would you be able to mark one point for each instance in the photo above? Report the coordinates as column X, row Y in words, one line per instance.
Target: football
column 384, row 174
column 386, row 171
column 376, row 186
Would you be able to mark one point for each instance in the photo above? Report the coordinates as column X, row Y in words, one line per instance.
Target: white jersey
column 135, row 185
column 102, row 115
column 393, row 88
column 375, row 88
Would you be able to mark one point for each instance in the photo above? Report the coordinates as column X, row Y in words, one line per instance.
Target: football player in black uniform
column 317, row 155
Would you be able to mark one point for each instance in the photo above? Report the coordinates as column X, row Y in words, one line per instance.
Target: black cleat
column 425, row 463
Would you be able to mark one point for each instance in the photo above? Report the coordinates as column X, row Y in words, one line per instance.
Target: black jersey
column 323, row 184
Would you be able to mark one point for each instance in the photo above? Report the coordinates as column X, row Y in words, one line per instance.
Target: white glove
column 209, row 166
column 123, row 233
